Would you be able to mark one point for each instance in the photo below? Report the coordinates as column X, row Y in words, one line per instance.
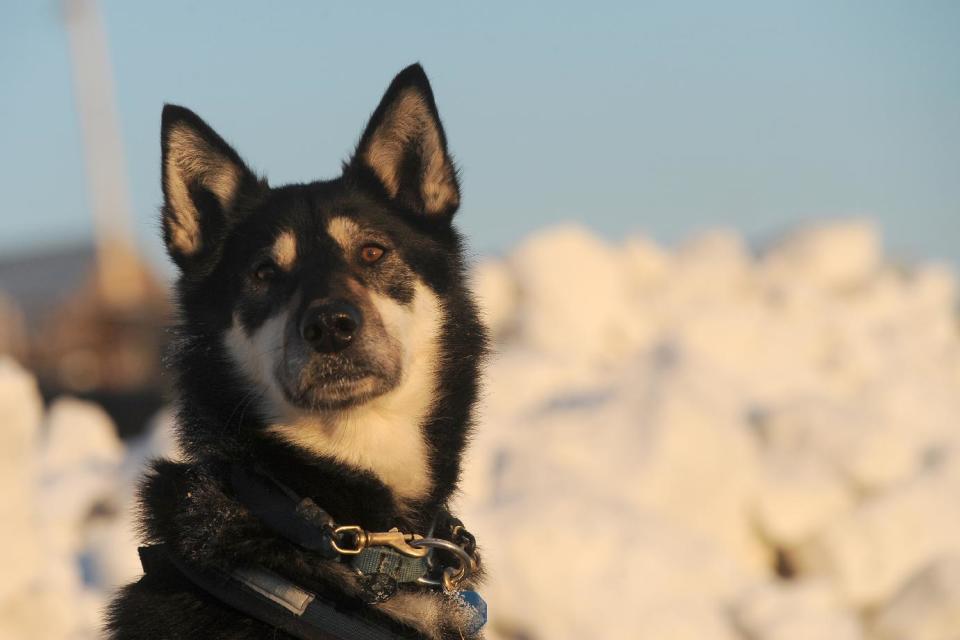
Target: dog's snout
column 330, row 327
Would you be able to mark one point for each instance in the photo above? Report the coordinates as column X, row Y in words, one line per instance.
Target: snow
column 66, row 517
column 926, row 608
column 662, row 428
column 704, row 442
column 804, row 609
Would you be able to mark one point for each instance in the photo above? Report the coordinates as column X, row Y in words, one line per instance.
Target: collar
column 443, row 559
column 382, row 560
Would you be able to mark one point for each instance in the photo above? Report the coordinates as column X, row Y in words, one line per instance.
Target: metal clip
column 362, row 539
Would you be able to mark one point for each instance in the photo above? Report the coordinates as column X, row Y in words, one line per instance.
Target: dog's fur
column 373, row 433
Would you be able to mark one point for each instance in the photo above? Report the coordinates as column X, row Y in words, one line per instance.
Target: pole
column 118, row 274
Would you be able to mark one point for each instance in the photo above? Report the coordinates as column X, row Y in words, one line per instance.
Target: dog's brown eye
column 371, row 253
column 265, row 271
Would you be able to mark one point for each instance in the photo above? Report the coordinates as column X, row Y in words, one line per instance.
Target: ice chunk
column 801, row 610
column 573, row 295
column 830, row 255
column 874, row 549
column 496, row 294
column 20, row 415
column 798, row 496
column 926, row 608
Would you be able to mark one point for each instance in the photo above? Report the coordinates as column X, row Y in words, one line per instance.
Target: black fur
column 188, row 505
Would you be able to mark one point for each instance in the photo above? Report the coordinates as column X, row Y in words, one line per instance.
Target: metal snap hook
column 402, row 542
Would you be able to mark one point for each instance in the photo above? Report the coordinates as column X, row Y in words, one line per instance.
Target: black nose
column 330, row 327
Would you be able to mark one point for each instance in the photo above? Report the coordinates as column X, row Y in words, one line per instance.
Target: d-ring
column 449, row 580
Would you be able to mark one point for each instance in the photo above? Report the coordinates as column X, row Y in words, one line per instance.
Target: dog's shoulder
column 189, row 508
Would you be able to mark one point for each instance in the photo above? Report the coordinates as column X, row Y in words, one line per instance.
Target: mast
column 118, row 276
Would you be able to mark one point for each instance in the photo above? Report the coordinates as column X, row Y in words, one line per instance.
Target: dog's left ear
column 405, row 150
column 203, row 181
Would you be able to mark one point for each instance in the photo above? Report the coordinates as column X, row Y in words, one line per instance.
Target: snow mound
column 66, row 533
column 710, row 443
column 703, row 443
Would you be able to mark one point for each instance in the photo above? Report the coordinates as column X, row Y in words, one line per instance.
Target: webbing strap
column 297, row 519
column 272, row 599
column 386, row 561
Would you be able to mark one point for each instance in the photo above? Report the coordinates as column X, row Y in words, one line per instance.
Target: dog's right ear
column 404, row 149
column 203, row 181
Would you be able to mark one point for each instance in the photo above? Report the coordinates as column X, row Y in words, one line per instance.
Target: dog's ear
column 404, row 149
column 203, row 181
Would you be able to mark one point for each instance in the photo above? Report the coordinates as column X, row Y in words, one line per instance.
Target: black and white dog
column 327, row 363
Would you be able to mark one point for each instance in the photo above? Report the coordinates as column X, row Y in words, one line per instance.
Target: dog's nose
column 330, row 327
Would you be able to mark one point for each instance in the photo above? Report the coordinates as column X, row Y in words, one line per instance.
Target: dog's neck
column 384, row 437
column 349, row 494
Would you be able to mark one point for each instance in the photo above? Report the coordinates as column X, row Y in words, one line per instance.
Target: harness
column 383, row 562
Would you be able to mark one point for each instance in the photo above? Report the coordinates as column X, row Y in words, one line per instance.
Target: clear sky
column 659, row 117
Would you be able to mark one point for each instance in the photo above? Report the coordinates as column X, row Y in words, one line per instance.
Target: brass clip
column 363, row 539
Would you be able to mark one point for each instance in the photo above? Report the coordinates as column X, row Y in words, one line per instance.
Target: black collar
column 449, row 549
column 297, row 519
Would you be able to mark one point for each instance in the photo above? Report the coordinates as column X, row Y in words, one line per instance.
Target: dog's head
column 329, row 302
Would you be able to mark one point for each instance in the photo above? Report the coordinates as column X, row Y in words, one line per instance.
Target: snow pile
column 66, row 522
column 708, row 444
column 695, row 444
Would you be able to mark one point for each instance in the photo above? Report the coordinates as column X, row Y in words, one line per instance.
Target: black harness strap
column 297, row 519
column 273, row 600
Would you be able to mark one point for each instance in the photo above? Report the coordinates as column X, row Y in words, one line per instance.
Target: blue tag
column 477, row 610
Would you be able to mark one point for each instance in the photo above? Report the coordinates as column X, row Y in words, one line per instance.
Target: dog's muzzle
column 330, row 327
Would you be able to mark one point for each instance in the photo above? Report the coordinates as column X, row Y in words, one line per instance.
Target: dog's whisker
column 245, row 406
column 245, row 399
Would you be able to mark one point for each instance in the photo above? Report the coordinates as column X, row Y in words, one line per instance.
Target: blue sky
column 659, row 117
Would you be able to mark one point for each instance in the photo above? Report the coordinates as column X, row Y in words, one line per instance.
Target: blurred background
column 756, row 427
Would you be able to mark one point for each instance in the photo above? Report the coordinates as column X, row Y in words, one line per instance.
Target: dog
column 327, row 362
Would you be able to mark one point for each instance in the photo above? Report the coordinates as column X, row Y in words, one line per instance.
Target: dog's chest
column 391, row 447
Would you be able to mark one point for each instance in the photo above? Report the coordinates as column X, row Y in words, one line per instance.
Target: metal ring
column 360, row 539
column 466, row 562
column 450, row 579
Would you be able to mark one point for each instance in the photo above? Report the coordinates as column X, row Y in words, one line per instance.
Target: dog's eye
column 371, row 253
column 265, row 271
